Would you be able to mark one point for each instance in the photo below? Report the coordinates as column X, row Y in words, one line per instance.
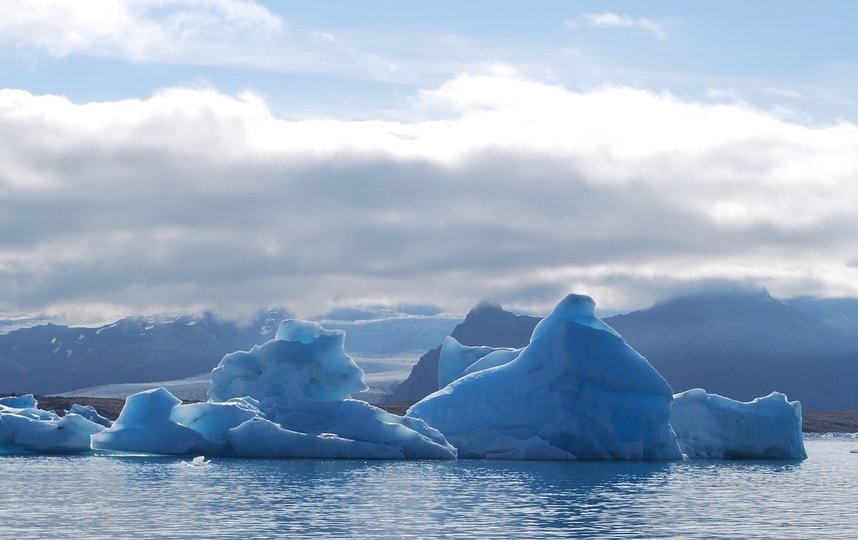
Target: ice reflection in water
column 145, row 497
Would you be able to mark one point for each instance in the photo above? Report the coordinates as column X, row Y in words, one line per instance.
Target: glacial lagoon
column 136, row 496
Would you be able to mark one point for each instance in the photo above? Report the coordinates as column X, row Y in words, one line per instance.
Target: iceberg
column 303, row 361
column 26, row 428
column 709, row 426
column 576, row 391
column 144, row 425
column 358, row 420
column 89, row 412
column 69, row 434
column 27, row 401
column 457, row 360
column 262, row 439
column 288, row 398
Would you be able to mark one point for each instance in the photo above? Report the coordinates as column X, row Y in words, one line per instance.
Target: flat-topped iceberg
column 709, row 426
column 577, row 391
column 287, row 398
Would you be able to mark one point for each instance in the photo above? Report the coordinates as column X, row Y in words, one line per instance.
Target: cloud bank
column 506, row 189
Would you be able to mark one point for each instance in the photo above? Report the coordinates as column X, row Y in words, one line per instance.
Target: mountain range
column 746, row 344
column 53, row 359
column 739, row 343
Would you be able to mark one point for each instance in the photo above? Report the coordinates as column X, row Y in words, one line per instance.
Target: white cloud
column 513, row 190
column 136, row 29
column 614, row 20
column 239, row 33
column 324, row 36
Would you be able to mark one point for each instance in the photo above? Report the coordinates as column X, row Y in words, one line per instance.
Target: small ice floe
column 199, row 461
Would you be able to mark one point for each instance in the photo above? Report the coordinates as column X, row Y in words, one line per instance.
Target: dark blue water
column 146, row 497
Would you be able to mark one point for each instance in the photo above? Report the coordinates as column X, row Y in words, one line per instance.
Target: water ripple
column 144, row 497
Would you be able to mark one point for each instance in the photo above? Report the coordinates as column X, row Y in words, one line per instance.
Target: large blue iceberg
column 287, row 398
column 577, row 391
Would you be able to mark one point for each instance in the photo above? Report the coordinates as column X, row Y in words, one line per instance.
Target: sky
column 168, row 156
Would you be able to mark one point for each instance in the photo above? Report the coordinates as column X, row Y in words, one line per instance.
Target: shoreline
column 813, row 421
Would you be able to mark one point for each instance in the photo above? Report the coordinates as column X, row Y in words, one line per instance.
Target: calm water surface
column 105, row 496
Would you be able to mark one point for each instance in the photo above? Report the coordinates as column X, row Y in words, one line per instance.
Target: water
column 144, row 497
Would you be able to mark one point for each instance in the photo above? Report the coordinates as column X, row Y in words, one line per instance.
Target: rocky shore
column 829, row 421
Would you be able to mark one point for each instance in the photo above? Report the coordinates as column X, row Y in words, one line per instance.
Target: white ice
column 576, row 391
column 709, row 426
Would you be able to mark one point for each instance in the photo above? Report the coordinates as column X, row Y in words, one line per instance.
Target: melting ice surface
column 577, row 391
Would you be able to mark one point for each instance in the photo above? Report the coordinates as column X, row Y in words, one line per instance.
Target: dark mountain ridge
column 485, row 324
column 745, row 345
column 50, row 358
column 54, row 358
column 741, row 344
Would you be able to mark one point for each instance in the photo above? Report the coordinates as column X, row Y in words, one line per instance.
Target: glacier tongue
column 577, row 390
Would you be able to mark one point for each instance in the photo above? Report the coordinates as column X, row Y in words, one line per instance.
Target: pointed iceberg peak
column 575, row 308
